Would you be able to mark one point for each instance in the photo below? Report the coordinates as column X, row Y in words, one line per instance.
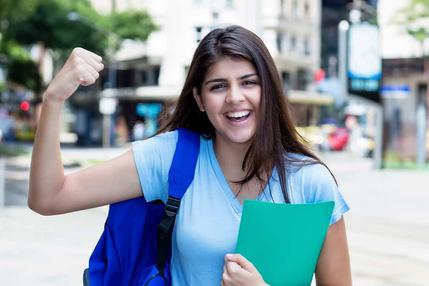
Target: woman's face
column 231, row 95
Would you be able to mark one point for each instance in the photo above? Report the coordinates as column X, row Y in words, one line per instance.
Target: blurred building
column 405, row 81
column 333, row 11
column 152, row 73
column 351, row 96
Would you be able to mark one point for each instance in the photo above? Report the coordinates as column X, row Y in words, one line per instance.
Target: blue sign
column 395, row 91
column 150, row 110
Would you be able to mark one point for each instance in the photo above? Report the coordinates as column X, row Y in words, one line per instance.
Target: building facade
column 290, row 29
column 405, row 85
column 154, row 72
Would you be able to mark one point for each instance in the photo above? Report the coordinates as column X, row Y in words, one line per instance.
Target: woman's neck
column 230, row 157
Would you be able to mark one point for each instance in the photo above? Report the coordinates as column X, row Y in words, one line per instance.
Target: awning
column 309, row 97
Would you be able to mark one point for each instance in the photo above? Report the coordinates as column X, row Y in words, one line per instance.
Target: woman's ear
column 198, row 99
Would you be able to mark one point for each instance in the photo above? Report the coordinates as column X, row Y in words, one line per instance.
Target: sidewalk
column 38, row 250
column 388, row 228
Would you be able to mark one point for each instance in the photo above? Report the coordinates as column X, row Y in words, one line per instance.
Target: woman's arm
column 333, row 266
column 51, row 192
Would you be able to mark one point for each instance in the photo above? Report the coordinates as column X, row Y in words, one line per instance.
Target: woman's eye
column 250, row 82
column 218, row 86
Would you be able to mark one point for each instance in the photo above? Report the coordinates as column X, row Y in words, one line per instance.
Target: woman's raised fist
column 81, row 68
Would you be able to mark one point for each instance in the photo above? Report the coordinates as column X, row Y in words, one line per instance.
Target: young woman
column 249, row 149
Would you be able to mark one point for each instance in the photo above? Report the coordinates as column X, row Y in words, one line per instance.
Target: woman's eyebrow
column 224, row 80
column 215, row 80
column 248, row 75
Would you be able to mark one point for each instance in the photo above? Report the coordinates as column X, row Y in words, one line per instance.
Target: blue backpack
column 135, row 247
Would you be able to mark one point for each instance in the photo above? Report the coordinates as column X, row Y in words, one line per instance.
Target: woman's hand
column 81, row 68
column 238, row 271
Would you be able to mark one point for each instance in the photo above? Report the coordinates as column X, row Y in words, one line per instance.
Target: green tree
column 49, row 24
column 136, row 25
column 63, row 24
column 11, row 53
column 14, row 10
column 27, row 22
column 21, row 69
column 414, row 16
column 30, row 79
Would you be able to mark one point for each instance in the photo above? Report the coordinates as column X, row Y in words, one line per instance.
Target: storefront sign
column 364, row 61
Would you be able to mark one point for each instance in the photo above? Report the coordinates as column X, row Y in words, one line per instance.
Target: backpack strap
column 180, row 176
column 182, row 168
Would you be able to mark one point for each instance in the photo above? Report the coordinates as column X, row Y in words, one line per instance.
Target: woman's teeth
column 237, row 115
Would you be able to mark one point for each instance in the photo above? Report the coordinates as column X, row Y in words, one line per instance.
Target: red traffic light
column 25, row 106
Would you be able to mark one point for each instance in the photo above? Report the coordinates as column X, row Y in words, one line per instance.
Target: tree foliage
column 63, row 24
column 21, row 69
column 135, row 25
column 15, row 10
column 31, row 78
column 415, row 16
column 50, row 24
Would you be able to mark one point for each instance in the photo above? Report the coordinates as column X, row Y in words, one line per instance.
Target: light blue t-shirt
column 208, row 220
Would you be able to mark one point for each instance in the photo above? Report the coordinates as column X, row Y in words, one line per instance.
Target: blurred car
column 313, row 135
column 327, row 137
column 338, row 139
column 366, row 146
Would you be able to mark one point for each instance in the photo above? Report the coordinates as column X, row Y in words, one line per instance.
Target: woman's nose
column 234, row 95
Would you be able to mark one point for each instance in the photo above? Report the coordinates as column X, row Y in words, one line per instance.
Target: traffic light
column 24, row 106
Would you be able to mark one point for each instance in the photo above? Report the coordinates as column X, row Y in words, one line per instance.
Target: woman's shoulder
column 296, row 162
column 159, row 140
column 158, row 148
column 311, row 182
column 307, row 170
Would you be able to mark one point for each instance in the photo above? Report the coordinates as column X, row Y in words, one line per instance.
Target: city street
column 352, row 76
column 388, row 228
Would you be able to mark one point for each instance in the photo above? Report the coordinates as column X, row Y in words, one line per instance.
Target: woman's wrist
column 51, row 99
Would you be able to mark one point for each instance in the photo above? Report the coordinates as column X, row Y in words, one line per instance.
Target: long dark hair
column 275, row 135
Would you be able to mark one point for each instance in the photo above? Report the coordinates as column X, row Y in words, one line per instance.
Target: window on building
column 307, row 9
column 156, row 71
column 144, row 76
column 282, row 7
column 292, row 46
column 279, row 42
column 307, row 49
column 229, row 3
column 286, row 80
column 295, row 8
column 301, row 79
column 150, row 76
column 198, row 33
column 215, row 16
column 125, row 78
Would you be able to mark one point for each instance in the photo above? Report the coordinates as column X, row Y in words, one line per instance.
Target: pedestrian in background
column 249, row 149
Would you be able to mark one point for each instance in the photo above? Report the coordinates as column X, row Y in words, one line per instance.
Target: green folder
column 283, row 241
